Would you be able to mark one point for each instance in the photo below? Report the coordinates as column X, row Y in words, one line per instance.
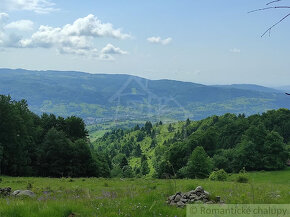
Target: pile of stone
column 199, row 195
column 4, row 192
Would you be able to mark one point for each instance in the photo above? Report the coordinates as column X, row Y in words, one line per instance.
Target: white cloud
column 110, row 49
column 22, row 25
column 11, row 38
column 37, row 6
column 92, row 26
column 159, row 40
column 78, row 35
column 235, row 50
column 76, row 38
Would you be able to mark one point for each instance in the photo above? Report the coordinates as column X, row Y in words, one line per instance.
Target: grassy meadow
column 62, row 197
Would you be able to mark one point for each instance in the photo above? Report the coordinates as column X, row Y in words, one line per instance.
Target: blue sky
column 209, row 42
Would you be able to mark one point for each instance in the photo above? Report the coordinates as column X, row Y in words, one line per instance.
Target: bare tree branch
column 272, row 7
column 268, row 30
column 267, row 8
column 273, row 2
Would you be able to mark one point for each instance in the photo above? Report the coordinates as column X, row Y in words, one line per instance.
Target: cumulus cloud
column 109, row 50
column 37, row 6
column 8, row 37
column 77, row 35
column 92, row 26
column 76, row 38
column 159, row 40
column 235, row 50
column 21, row 25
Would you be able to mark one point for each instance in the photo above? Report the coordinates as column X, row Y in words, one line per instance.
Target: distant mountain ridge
column 284, row 88
column 105, row 97
column 253, row 87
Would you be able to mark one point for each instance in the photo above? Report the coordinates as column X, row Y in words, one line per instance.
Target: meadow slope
column 88, row 197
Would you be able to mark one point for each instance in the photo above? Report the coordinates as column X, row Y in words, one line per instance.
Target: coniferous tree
column 199, row 164
column 144, row 165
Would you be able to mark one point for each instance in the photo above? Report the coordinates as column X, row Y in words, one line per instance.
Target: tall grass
column 132, row 197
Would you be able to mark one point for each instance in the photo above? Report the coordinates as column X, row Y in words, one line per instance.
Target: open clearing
column 60, row 197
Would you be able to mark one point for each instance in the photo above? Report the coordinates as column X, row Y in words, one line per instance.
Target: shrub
column 29, row 186
column 242, row 178
column 219, row 175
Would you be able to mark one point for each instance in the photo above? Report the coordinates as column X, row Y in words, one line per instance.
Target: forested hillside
column 100, row 98
column 46, row 145
column 195, row 148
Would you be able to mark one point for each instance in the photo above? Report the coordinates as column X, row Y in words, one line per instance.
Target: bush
column 219, row 175
column 242, row 178
column 29, row 186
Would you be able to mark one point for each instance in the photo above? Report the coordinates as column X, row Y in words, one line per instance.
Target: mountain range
column 101, row 98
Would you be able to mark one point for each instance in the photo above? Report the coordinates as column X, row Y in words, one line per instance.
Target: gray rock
column 199, row 189
column 198, row 193
column 5, row 191
column 218, row 198
column 23, row 193
column 172, row 203
column 177, row 198
column 209, row 202
column 191, row 192
column 198, row 198
column 192, row 196
column 206, row 194
column 183, row 200
column 180, row 204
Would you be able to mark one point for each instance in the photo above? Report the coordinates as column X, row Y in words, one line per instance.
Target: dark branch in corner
column 275, row 7
column 273, row 2
column 272, row 7
column 268, row 30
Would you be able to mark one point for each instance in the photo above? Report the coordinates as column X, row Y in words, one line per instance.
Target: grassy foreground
column 132, row 197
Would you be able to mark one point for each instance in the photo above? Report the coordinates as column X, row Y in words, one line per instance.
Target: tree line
column 46, row 145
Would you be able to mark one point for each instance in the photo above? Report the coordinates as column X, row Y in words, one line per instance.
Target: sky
column 201, row 41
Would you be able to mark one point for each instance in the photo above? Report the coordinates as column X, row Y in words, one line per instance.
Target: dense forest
column 193, row 149
column 46, row 145
column 50, row 146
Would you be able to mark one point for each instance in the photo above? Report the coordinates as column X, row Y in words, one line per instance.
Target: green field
column 132, row 197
